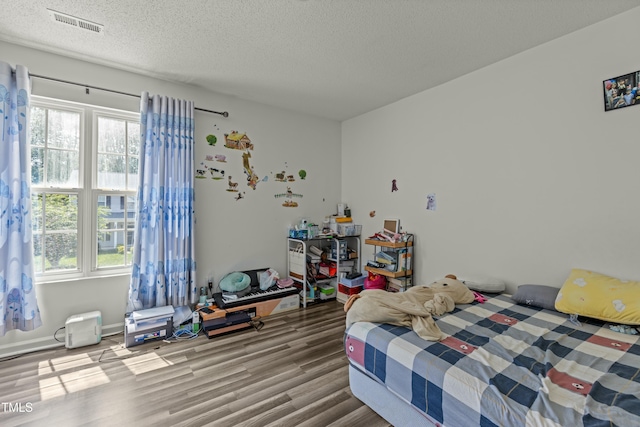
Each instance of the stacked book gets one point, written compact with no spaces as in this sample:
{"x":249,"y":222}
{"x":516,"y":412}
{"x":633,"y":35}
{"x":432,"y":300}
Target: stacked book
{"x":389,"y":259}
{"x":400,"y":284}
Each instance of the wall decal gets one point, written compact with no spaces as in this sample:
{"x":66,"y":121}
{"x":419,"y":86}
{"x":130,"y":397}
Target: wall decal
{"x":372,"y":214}
{"x":289,"y":195}
{"x":203,"y":167}
{"x":431,"y":202}
{"x":237,"y":141}
{"x":216,"y":174}
{"x":302,"y":173}
{"x":394,"y":187}
{"x":283,"y":177}
{"x":252,"y":178}
{"x":233,"y":186}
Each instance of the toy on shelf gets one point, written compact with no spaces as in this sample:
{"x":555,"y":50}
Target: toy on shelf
{"x":390,"y":236}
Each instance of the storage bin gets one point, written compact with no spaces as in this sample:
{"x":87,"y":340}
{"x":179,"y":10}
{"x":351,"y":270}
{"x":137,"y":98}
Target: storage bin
{"x":339,"y":249}
{"x":349,"y":229}
{"x":358,"y":281}
{"x":349,"y":290}
{"x":326,"y":291}
{"x":313,"y":230}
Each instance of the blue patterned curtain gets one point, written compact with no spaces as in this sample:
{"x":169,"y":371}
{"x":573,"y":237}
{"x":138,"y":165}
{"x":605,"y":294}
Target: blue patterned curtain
{"x":164,"y":268}
{"x":18,"y":305}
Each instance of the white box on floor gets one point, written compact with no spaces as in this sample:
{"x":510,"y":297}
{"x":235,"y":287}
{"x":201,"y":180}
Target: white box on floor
{"x":83,"y":329}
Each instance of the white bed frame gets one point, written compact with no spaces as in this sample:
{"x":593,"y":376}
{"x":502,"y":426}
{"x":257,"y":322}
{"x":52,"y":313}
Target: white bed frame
{"x":388,"y":405}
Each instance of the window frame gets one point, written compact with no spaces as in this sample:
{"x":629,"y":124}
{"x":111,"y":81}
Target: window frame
{"x":109,"y":193}
{"x":87,"y":190}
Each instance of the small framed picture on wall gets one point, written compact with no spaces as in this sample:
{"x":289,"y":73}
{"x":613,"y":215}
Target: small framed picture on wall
{"x":622,"y":91}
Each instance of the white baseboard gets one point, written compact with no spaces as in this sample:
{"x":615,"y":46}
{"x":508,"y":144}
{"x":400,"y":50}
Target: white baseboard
{"x":48,"y":343}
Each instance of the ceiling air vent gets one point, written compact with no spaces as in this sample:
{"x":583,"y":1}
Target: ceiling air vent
{"x":74,"y":21}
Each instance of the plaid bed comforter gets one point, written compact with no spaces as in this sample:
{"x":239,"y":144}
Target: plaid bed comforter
{"x":504,"y":364}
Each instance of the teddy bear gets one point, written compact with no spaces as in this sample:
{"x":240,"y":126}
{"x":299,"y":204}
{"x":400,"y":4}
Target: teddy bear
{"x":413,"y":308}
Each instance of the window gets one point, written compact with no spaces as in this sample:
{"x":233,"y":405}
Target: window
{"x":83,"y":158}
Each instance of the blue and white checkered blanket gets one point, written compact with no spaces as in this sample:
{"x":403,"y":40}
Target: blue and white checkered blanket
{"x":504,"y":364}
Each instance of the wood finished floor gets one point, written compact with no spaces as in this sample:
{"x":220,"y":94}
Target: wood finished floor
{"x":291,"y":373}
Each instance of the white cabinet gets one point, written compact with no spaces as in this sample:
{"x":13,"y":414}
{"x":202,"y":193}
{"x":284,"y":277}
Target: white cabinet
{"x":315,"y":263}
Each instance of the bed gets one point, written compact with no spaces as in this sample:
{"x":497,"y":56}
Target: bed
{"x":501,"y":364}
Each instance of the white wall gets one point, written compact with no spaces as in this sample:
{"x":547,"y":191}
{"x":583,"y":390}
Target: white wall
{"x":230,"y":234}
{"x":532,"y":177}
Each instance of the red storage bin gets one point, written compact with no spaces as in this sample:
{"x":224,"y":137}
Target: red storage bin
{"x":349,"y":290}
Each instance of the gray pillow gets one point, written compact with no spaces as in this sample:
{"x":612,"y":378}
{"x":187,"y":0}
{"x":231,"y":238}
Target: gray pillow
{"x":537,"y":296}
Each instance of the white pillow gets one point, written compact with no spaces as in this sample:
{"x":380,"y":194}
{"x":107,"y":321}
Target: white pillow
{"x":488,"y":285}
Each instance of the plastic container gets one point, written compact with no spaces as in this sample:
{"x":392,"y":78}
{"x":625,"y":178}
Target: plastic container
{"x":339,"y":249}
{"x":349,"y":229}
{"x":313,"y":230}
{"x":326,"y":291}
{"x":358,"y":281}
{"x":349,"y":290}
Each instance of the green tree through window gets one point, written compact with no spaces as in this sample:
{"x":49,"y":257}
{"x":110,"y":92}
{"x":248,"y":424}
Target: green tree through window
{"x":72,"y":181}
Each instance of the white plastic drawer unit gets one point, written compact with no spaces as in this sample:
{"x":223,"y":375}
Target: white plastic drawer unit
{"x":83,"y":329}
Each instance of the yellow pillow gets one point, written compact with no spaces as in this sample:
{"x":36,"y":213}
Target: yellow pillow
{"x":590,"y":294}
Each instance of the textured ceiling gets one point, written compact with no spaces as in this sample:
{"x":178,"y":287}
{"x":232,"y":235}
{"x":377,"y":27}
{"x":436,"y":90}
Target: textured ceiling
{"x":330,"y":58}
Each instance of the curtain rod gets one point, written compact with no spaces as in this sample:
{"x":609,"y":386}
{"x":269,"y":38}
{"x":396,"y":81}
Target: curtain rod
{"x":87,"y":87}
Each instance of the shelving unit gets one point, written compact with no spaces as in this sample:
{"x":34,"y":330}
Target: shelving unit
{"x":340,"y":256}
{"x":403,"y":253}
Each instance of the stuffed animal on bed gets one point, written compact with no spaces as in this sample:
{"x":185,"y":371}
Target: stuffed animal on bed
{"x":413,"y":308}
